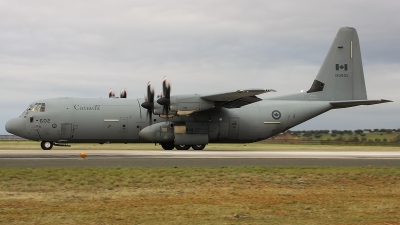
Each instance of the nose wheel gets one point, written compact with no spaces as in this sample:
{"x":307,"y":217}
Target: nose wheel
{"x":46,"y":145}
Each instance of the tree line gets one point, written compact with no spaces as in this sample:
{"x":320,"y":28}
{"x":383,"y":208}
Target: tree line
{"x":345,"y":135}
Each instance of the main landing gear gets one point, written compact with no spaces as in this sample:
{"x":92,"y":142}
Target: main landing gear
{"x":167,"y":146}
{"x":171,"y":146}
{"x":198,"y":147}
{"x":182,"y":147}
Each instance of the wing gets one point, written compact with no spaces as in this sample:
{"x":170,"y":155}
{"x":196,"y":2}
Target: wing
{"x":236,"y":99}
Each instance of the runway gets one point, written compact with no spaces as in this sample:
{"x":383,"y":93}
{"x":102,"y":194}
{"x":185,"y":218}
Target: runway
{"x":151,"y":158}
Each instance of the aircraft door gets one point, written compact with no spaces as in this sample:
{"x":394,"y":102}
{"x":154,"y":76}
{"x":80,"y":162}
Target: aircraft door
{"x":222,"y":134}
{"x":217,"y":131}
{"x":233,"y":128}
{"x":66,"y":131}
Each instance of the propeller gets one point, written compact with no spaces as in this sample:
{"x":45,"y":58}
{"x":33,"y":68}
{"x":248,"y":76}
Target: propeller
{"x":149,"y":101}
{"x":123,"y":93}
{"x":111,"y":93}
{"x":164,"y":99}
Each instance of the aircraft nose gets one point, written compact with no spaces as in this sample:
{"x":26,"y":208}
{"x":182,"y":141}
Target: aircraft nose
{"x":15,"y":126}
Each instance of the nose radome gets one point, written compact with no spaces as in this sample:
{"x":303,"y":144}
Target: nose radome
{"x":9,"y":126}
{"x":15,"y":126}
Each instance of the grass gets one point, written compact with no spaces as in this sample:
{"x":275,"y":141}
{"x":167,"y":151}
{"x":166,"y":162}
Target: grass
{"x":240,"y":195}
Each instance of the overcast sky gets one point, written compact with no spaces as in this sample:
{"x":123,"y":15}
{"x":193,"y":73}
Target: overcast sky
{"x":84,"y":48}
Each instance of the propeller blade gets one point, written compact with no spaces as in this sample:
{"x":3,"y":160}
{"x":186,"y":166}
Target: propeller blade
{"x":150,"y":92}
{"x":166,"y":88}
{"x":150,"y":115}
{"x":123,"y":93}
{"x":164,"y":100}
{"x":111,"y":93}
{"x":149,"y":101}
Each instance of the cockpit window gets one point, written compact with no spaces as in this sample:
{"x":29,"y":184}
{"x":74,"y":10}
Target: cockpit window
{"x":42,"y":107}
{"x":37,"y":107}
{"x":27,"y":110}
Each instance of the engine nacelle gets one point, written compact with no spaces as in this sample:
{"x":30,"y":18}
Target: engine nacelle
{"x":188,"y":104}
{"x":184,"y":105}
{"x":159,"y":132}
{"x":158,"y":110}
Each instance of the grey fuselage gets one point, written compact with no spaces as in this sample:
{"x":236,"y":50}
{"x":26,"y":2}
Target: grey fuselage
{"x":119,"y":120}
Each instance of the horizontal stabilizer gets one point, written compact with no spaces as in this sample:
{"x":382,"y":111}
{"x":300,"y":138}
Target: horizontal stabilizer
{"x":352,"y":103}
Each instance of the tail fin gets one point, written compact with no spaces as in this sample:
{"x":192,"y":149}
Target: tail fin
{"x":341,"y":76}
{"x":340,"y":79}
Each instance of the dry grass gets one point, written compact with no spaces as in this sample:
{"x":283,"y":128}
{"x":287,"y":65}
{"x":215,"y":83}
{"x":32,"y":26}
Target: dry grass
{"x":242,"y":195}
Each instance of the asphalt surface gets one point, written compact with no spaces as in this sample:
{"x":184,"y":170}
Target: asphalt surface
{"x":142,"y":158}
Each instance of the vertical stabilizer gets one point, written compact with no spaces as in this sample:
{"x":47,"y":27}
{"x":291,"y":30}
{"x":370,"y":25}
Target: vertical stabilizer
{"x":341,"y":75}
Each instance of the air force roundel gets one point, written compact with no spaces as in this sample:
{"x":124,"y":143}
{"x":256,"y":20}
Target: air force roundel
{"x":276,"y":114}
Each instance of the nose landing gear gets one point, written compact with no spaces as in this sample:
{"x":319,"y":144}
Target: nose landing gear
{"x":46,"y":145}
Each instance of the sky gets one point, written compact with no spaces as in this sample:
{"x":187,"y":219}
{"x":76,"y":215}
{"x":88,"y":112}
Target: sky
{"x":83,"y":48}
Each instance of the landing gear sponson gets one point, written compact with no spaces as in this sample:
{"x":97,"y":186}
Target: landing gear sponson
{"x":171,"y":146}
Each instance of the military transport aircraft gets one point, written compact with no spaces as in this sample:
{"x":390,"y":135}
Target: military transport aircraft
{"x":195,"y":120}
